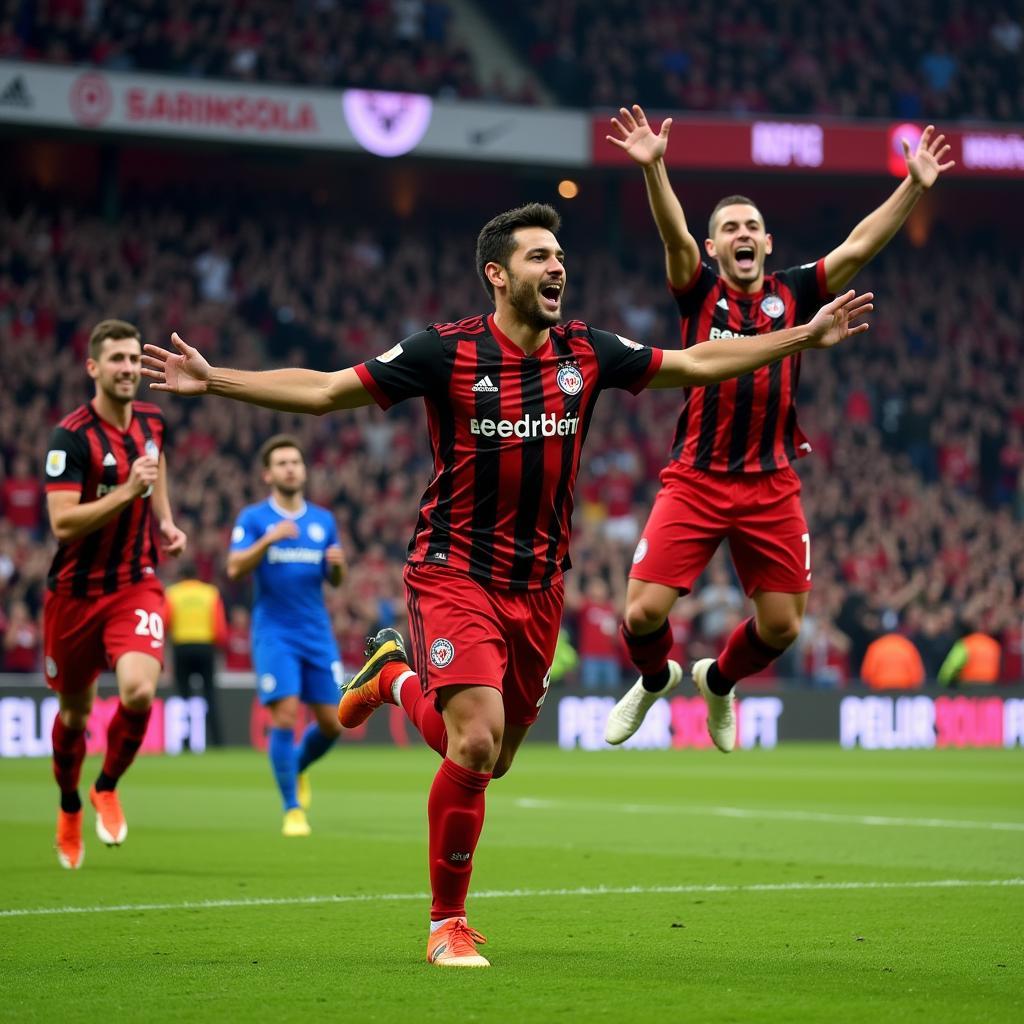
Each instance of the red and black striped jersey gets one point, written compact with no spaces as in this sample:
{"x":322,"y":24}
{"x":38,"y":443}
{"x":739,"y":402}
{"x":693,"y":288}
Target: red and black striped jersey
{"x":91,"y":456}
{"x":746,"y":425}
{"x":506,"y":432}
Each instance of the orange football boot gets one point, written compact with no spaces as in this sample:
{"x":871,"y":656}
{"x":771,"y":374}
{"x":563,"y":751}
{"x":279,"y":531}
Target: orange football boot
{"x":364,"y":693}
{"x":110,"y":824}
{"x":70,"y":851}
{"x":454,"y":945}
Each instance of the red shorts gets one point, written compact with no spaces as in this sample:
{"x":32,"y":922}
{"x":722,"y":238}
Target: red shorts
{"x":464,"y":633}
{"x":83,"y":636}
{"x":758,"y":513}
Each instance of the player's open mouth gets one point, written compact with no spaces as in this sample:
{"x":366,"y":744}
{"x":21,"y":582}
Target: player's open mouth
{"x":745,"y":257}
{"x":551,"y":295}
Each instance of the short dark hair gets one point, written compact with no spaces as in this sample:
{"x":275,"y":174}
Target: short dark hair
{"x":496,"y":241}
{"x":729,"y":201}
{"x":278,"y":441}
{"x":113,"y":329}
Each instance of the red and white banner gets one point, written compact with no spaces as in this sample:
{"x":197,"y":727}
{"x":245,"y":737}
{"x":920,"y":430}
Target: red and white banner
{"x":387,"y":124}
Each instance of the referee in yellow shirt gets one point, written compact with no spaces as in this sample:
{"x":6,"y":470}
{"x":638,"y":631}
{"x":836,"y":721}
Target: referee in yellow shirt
{"x":197,"y":626}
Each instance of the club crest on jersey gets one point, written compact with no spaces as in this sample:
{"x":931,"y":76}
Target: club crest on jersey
{"x":773,"y":306}
{"x":441,"y":653}
{"x":569,"y":379}
{"x":56,"y":462}
{"x":316,"y":533}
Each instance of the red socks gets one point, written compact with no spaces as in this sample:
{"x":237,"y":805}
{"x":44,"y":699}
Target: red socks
{"x":124,"y":737}
{"x":420,"y":708}
{"x":649,"y":653}
{"x":455,"y":811}
{"x":68,"y":754}
{"x":745,"y":653}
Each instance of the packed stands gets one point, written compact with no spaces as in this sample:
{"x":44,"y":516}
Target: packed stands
{"x":915,"y":492}
{"x":922,"y":59}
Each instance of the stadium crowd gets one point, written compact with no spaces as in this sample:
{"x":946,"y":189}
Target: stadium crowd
{"x":915,"y":491}
{"x":924,"y":59}
{"x":405,"y":45}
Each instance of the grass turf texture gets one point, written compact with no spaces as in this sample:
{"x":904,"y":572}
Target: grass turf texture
{"x":207,"y":829}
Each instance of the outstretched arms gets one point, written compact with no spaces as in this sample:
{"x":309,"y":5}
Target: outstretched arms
{"x":635,"y":136}
{"x":924,"y":166}
{"x":186,"y":372}
{"x":709,"y":363}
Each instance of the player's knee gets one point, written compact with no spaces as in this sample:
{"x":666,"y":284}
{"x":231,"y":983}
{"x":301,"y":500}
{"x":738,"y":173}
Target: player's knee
{"x":643,"y":616}
{"x":75,"y":719}
{"x":476,"y":748}
{"x":137,"y":694}
{"x":780,"y":631}
{"x":330,"y":726}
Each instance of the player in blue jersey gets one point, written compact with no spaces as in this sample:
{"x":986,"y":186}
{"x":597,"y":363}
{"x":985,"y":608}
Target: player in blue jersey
{"x":291,"y":547}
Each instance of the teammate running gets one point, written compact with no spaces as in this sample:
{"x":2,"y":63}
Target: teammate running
{"x":292,"y":547}
{"x":509,"y":396}
{"x":730,"y":475}
{"x":106,"y":483}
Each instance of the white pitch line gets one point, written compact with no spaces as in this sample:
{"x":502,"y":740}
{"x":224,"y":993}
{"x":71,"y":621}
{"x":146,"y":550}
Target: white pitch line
{"x":499,"y":894}
{"x":778,"y":815}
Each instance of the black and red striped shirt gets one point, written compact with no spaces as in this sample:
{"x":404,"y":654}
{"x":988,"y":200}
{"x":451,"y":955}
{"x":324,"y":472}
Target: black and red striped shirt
{"x":746,"y":425}
{"x":506,"y":432}
{"x":91,"y":456}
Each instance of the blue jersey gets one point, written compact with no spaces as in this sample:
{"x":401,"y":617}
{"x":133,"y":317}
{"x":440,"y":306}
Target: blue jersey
{"x":288,"y":600}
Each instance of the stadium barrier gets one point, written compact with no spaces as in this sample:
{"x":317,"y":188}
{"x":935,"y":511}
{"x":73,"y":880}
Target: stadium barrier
{"x":981,"y":717}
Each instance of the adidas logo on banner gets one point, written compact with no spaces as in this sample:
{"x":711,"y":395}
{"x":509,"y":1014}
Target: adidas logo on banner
{"x":484,"y":384}
{"x":15,"y":94}
{"x":722,"y":304}
{"x":109,"y":460}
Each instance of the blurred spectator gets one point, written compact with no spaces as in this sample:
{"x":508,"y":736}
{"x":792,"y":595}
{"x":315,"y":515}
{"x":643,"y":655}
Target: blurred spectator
{"x":597,"y":635}
{"x":21,"y":640}
{"x":21,"y":497}
{"x":238,"y":645}
{"x":974,"y":658}
{"x":892,"y":662}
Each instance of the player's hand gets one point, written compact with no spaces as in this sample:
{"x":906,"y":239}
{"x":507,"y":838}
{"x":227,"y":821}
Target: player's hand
{"x":925,"y":164}
{"x":174,"y":540}
{"x":283,"y":529}
{"x":837,"y":320}
{"x":335,"y":556}
{"x":636,"y":137}
{"x":183,"y":372}
{"x":143,"y":474}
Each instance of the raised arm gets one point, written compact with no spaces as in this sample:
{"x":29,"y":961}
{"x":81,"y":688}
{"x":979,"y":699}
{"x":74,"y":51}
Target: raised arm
{"x":871,"y":235}
{"x":712,"y":362}
{"x":186,"y":372}
{"x":636,"y":137}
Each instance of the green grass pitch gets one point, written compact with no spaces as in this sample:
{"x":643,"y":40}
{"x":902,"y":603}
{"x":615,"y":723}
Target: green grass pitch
{"x":802,"y":884}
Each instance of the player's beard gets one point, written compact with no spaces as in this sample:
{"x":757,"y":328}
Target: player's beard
{"x":120,"y":397}
{"x":523,"y":298}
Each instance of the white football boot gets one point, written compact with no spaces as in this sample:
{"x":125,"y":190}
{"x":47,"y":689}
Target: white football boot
{"x":629,"y":713}
{"x":721,"y":710}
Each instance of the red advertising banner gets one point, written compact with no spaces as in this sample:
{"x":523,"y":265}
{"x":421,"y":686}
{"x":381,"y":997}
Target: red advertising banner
{"x":826,"y":147}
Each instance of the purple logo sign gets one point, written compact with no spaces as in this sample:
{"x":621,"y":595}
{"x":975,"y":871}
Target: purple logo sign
{"x":387,"y":123}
